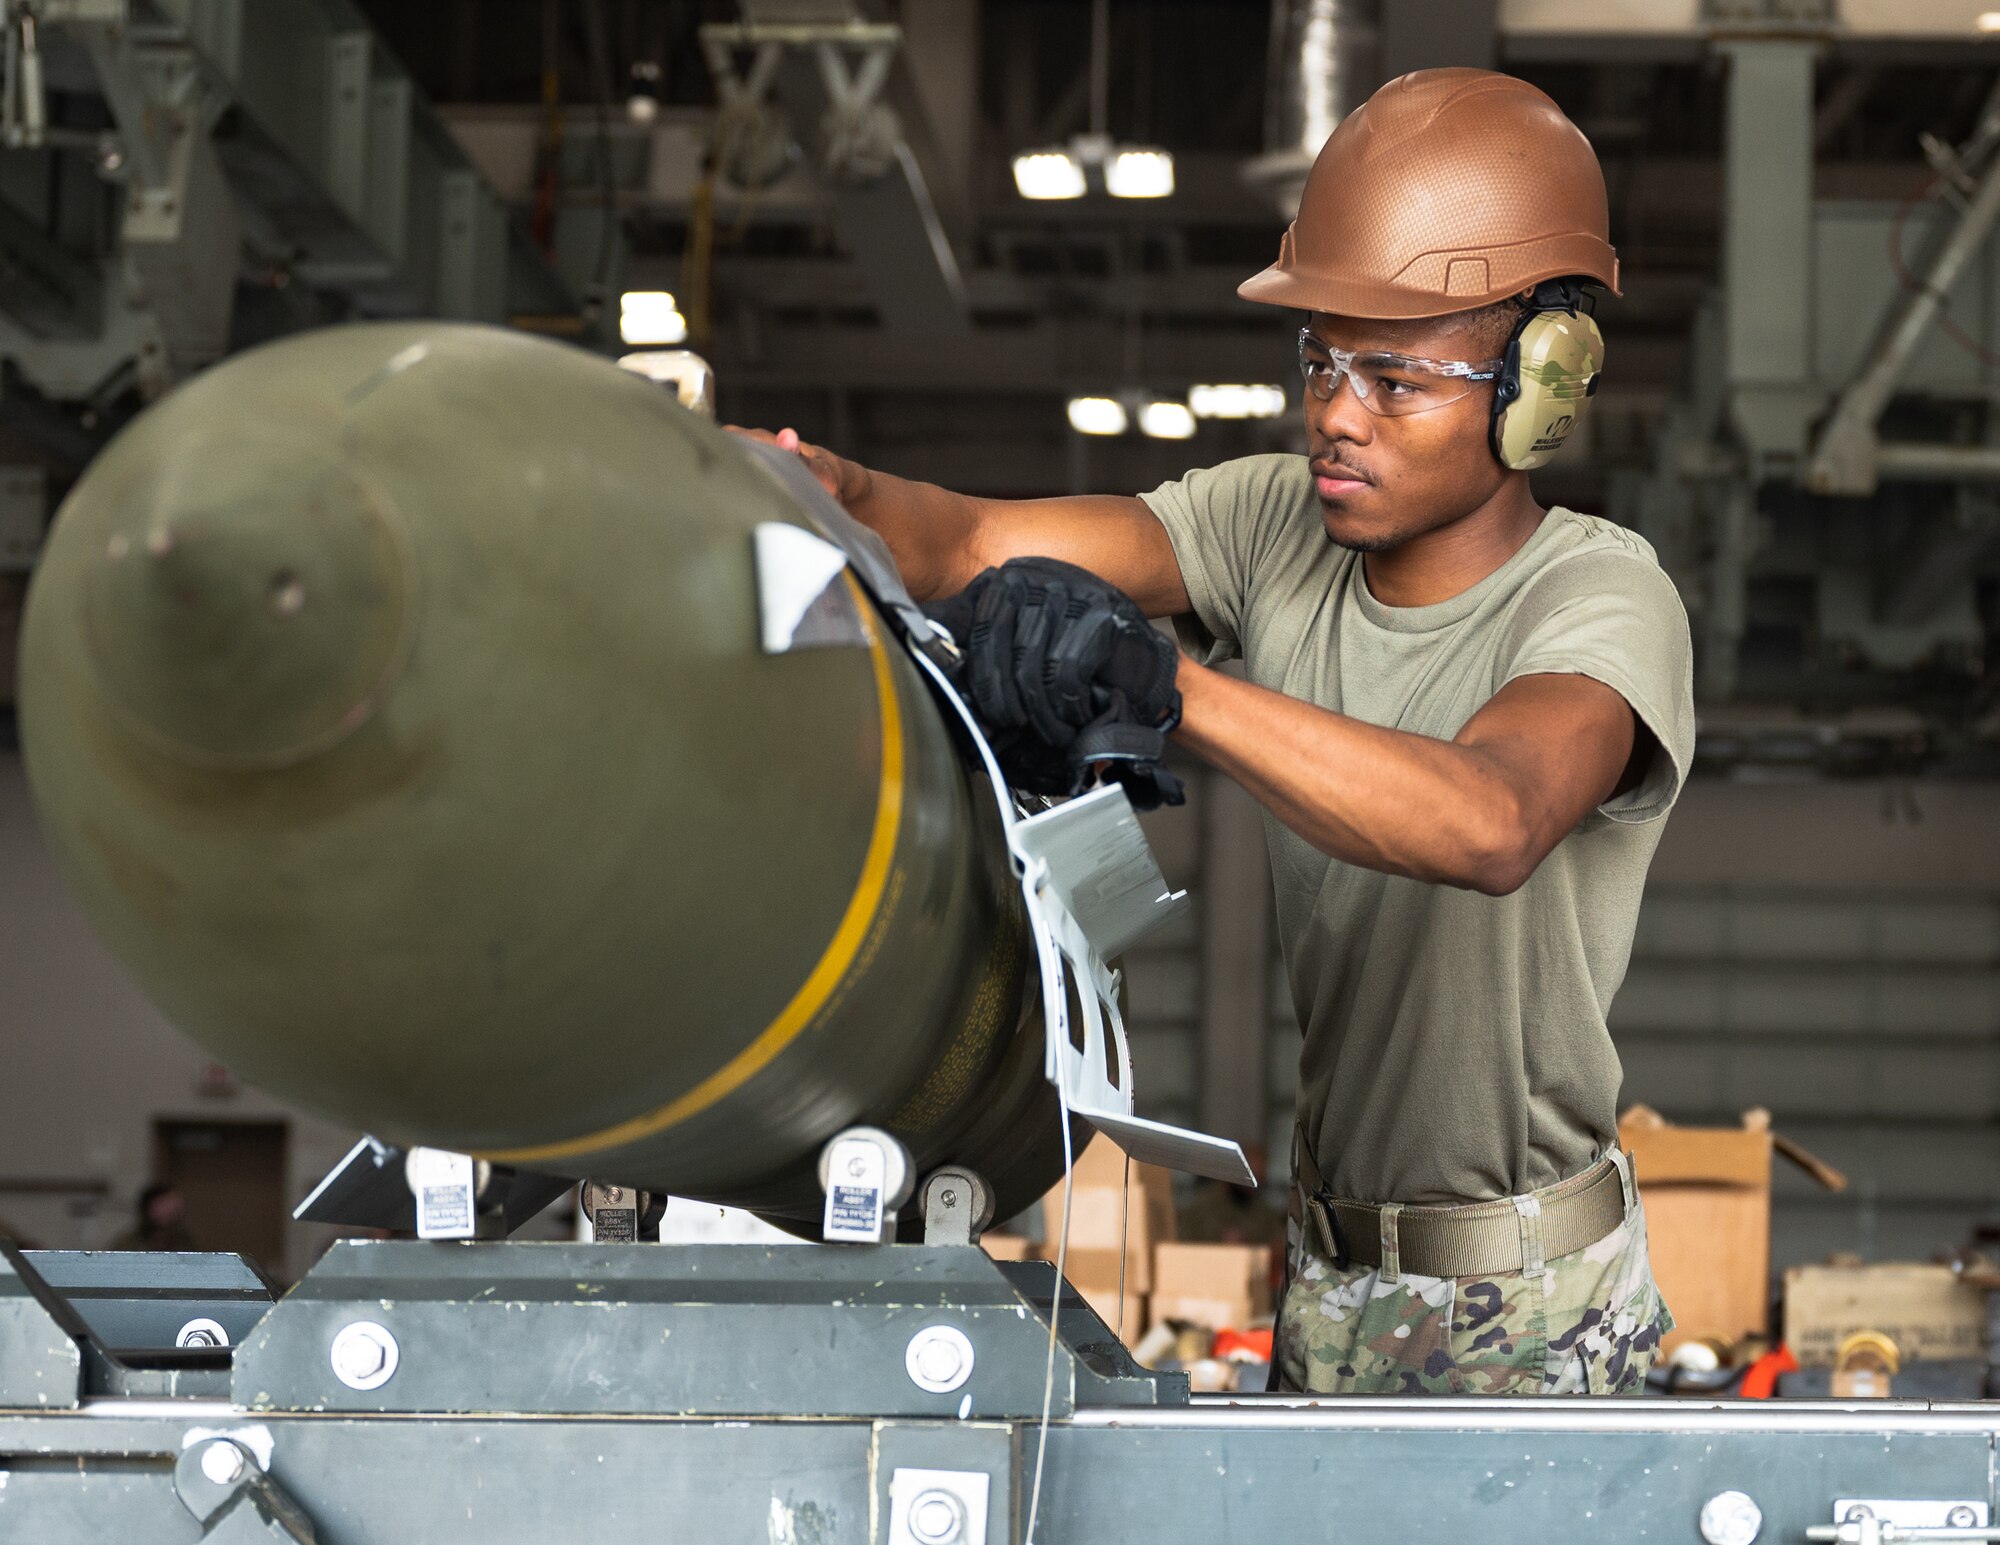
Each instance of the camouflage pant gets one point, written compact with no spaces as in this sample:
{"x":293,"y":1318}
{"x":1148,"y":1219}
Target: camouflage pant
{"x":1589,"y":1322}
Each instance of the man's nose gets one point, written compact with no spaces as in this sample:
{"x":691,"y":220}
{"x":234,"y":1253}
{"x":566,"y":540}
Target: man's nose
{"x":1342,"y":416}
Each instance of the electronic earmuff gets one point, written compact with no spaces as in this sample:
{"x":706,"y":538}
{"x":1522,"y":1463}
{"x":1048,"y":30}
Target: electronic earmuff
{"x":1552,"y":364}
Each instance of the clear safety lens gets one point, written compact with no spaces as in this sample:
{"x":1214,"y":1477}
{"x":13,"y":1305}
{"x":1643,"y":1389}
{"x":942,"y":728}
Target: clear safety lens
{"x":1392,"y":385}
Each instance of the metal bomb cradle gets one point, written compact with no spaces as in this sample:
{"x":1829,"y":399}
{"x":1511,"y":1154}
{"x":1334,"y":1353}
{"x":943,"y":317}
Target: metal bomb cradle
{"x":476,"y":1389}
{"x":516,"y":1394}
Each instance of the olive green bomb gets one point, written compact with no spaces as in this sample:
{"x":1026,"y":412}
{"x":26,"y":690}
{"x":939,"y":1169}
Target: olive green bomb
{"x":394,"y":697}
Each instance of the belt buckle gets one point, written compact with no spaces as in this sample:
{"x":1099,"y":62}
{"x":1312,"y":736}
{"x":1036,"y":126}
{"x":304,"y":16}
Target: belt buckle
{"x":1330,"y":1232}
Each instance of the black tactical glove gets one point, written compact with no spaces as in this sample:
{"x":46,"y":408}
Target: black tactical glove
{"x":1069,"y":680}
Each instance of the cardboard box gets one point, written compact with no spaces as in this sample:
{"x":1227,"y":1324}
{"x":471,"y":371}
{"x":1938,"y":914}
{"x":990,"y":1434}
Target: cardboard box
{"x":1225,"y":1287}
{"x":1096,"y":1270}
{"x":1101,"y":1211}
{"x":1926,"y":1310}
{"x":1707,"y":1195}
{"x":1104,"y":1304}
{"x":1094,"y":1276}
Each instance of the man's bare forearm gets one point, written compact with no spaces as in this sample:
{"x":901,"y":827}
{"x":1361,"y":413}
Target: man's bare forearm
{"x":941,"y":540}
{"x":933,"y":533}
{"x":1480,"y":812}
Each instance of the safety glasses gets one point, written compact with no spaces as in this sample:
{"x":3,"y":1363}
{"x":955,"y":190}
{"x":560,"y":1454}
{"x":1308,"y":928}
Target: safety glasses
{"x":1388,"y":384}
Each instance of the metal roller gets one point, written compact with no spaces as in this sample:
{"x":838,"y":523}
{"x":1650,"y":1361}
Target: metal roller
{"x":399,"y":700}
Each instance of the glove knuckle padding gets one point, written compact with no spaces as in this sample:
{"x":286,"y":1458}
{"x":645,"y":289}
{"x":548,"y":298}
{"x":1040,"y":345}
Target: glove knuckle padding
{"x":1070,"y":679}
{"x":990,"y":652}
{"x":1033,"y":631}
{"x":1076,"y":660}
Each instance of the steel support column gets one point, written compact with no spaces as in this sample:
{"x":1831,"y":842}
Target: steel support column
{"x":1767,"y":240}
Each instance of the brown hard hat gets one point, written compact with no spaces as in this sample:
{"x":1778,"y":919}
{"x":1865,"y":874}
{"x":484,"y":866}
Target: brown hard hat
{"x":1446,"y":190}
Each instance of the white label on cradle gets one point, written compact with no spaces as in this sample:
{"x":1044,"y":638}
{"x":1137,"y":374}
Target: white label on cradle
{"x":854,"y":1193}
{"x":442,"y":1183}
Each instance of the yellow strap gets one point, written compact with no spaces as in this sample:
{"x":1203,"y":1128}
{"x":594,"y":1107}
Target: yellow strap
{"x":833,"y":964}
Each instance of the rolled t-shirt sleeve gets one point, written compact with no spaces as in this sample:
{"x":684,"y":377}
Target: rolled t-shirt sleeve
{"x":1616,"y":618}
{"x":1218,"y":519}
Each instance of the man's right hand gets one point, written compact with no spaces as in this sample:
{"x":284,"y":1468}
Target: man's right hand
{"x":1069,"y":680}
{"x":846,"y":480}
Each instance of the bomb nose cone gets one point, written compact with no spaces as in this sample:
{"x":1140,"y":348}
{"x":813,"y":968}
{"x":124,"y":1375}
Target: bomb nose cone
{"x":394,"y":698}
{"x":249,"y":610}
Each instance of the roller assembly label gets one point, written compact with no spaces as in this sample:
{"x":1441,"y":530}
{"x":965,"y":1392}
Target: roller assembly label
{"x":855,"y":1209}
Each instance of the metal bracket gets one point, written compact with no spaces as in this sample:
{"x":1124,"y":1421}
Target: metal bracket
{"x":1089,"y":881}
{"x":863,"y":135}
{"x":226,"y":1487}
{"x":741,"y":89}
{"x":41,"y":1341}
{"x":369,"y":1188}
{"x":1092,"y":853}
{"x":175,"y":283}
{"x":682,"y":371}
{"x":141,"y":1301}
{"x":1880,"y":1521}
{"x":958,"y":1206}
{"x":619,"y":1214}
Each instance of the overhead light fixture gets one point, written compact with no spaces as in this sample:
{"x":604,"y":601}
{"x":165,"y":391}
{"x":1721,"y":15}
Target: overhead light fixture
{"x":1093,"y":158}
{"x":1166,"y":421}
{"x":1048,"y":174}
{"x":650,"y":317}
{"x":1139,"y":172}
{"x":1988,"y":21}
{"x":1237,"y":401}
{"x":1097,"y":416}
{"x":643,"y":105}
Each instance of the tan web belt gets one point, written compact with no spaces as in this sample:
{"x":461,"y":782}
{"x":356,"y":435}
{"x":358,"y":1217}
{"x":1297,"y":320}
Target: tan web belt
{"x":1514,"y":1233}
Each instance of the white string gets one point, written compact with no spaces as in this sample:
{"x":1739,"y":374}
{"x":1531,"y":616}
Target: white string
{"x":1055,"y":1315}
{"x":1124,"y":1227}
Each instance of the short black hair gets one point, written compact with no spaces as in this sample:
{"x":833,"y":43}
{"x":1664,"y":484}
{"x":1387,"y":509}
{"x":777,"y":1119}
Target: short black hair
{"x":1492,"y":325}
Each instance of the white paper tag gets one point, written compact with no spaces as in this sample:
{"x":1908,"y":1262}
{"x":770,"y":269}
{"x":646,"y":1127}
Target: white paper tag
{"x":794,"y":570}
{"x":442,"y":1184}
{"x":854,"y":1184}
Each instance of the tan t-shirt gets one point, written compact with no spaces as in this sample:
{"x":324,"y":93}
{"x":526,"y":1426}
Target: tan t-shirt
{"x":1455,"y":1043}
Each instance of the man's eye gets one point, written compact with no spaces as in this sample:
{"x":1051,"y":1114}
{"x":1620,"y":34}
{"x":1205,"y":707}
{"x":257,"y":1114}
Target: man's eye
{"x":1397,"y":387}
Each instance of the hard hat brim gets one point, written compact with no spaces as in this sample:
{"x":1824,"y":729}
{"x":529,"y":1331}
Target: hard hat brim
{"x":1507,"y":274}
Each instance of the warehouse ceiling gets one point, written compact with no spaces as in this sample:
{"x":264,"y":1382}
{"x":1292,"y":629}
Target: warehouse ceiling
{"x":1110,"y":294}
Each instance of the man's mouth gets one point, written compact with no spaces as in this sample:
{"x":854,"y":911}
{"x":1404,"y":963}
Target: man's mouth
{"x":1334,"y":481}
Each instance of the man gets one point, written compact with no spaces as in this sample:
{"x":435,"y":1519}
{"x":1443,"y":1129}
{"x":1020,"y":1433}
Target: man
{"x":159,"y":1221}
{"x":1466,"y":718}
